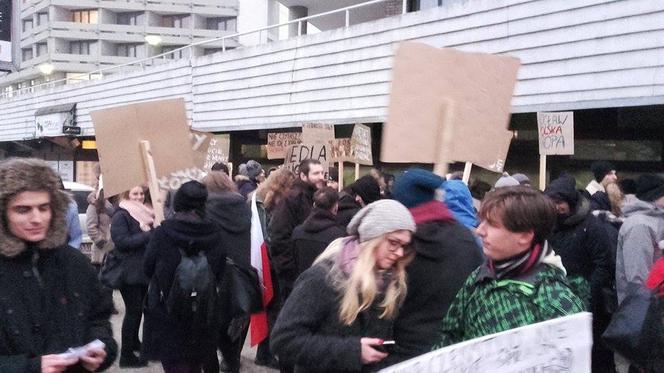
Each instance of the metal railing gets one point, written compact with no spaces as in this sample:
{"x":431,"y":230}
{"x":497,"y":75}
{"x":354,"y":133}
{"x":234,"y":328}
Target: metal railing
{"x":147,"y":61}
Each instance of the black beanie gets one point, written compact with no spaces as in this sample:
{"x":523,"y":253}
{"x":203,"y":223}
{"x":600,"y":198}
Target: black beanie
{"x":191,"y":196}
{"x":563,"y":189}
{"x":649,"y":187}
{"x":601,"y":169}
{"x":367,"y":188}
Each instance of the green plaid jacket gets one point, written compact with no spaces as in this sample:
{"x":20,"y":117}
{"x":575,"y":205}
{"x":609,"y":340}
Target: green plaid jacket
{"x":485,"y":305}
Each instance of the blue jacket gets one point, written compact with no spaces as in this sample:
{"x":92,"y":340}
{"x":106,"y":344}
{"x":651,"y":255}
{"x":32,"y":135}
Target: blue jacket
{"x":460,"y":202}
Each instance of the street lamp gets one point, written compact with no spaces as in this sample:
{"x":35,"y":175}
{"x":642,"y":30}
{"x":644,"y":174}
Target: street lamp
{"x":46,"y":68}
{"x":153,"y":40}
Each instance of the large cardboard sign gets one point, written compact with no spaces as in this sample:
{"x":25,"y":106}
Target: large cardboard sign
{"x":433,"y":88}
{"x":209,"y":148}
{"x":317,"y":141}
{"x":119,"y":131}
{"x":556,"y":132}
{"x":361,"y":145}
{"x":558,"y":345}
{"x":279,"y":143}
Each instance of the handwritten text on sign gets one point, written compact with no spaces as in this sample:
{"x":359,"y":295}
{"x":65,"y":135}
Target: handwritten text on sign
{"x":558,"y":345}
{"x":556,"y":133}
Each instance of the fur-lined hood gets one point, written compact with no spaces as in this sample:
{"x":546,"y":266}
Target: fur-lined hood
{"x":28,"y":174}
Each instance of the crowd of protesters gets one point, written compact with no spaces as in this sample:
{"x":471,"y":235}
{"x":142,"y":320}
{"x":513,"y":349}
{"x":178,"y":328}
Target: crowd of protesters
{"x":419,"y":259}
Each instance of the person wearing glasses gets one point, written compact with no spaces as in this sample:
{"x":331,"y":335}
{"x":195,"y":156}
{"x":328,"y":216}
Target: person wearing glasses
{"x":342,"y":308}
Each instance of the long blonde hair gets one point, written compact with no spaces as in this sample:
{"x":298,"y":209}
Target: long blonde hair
{"x":359,"y":289}
{"x":275,"y":188}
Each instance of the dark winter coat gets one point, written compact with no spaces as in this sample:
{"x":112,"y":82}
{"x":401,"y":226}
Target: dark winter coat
{"x":287,"y":215}
{"x":584,"y":247}
{"x":232,"y":214}
{"x":245,"y":186}
{"x":308,"y":332}
{"x":348,"y":207}
{"x":163,"y":338}
{"x":312,"y":237}
{"x":130,"y":242}
{"x":50,"y":297}
{"x":447,"y":253}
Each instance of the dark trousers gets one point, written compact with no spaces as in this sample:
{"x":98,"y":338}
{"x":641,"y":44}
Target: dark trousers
{"x":181,"y":367}
{"x":132,"y":295}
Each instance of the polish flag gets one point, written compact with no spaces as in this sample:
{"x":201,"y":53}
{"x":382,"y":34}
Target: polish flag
{"x":259,"y":260}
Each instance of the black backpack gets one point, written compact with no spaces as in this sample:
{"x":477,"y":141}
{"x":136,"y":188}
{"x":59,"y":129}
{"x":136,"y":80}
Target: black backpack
{"x":194,"y":296}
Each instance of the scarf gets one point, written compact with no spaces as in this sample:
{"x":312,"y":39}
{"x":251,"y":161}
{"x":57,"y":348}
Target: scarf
{"x":140,"y":212}
{"x":520,"y":263}
{"x":431,"y":211}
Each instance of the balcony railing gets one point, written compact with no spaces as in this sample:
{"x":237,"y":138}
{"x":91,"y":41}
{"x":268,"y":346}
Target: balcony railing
{"x":226,"y":41}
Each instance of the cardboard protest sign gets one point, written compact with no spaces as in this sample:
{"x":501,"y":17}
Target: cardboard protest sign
{"x":278,"y":143}
{"x":209,"y":148}
{"x":469,"y":92}
{"x":559,"y":345}
{"x":361,"y":145}
{"x":119,"y":131}
{"x":556,"y":132}
{"x":317,"y":141}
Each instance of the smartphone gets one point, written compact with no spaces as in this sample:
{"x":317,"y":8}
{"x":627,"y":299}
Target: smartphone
{"x":387,"y":346}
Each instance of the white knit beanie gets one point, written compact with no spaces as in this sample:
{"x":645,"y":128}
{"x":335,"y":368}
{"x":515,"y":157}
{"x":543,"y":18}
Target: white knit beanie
{"x":380,"y":217}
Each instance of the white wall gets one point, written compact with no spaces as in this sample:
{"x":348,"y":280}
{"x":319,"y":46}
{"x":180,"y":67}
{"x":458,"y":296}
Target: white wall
{"x":576,"y":55}
{"x":5,"y":51}
{"x":252,"y":14}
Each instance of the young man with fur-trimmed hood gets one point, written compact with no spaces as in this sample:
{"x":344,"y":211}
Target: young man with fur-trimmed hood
{"x":50,"y":297}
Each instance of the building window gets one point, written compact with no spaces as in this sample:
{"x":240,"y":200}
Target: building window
{"x":175,"y":55}
{"x":208,"y":51}
{"x":125,"y":50}
{"x":79,"y":47}
{"x":42,"y":19}
{"x":27,"y":54}
{"x":27,"y":25}
{"x":128,"y":18}
{"x":175,"y":21}
{"x":221,"y":23}
{"x":42,"y":48}
{"x":85,"y":16}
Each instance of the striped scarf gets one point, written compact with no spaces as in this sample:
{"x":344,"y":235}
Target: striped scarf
{"x":520,"y":263}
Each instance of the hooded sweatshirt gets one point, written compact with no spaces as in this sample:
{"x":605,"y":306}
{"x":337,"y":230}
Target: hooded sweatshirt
{"x":460,"y":202}
{"x":230,"y":211}
{"x":638,"y":244}
{"x":446,"y":253}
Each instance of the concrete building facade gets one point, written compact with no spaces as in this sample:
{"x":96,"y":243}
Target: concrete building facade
{"x":80,"y":36}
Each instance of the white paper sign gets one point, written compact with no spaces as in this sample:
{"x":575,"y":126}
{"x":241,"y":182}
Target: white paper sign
{"x":558,"y":345}
{"x":556,"y":132}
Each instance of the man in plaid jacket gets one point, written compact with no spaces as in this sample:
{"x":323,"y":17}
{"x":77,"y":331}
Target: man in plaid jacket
{"x":522,"y":282}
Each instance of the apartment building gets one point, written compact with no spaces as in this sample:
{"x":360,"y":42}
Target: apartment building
{"x":57,"y":39}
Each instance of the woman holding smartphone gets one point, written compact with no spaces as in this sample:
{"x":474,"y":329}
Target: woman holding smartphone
{"x":342,"y":308}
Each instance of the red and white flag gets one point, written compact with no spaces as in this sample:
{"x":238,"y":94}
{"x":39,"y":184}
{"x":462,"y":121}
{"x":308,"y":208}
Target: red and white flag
{"x":259,"y":260}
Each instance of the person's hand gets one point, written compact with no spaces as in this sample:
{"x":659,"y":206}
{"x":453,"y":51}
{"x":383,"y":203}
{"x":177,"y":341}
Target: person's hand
{"x":369,"y":353}
{"x":56,"y":363}
{"x":93,"y":358}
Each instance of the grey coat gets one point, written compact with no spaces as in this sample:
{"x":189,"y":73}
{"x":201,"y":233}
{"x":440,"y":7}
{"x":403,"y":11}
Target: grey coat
{"x":640,"y":244}
{"x":308,"y":332}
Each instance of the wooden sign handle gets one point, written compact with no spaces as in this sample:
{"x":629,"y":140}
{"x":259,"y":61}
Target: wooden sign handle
{"x":466,"y":172}
{"x":444,"y":140}
{"x":357,"y":171}
{"x":542,"y":172}
{"x":341,"y":176}
{"x":153,"y":185}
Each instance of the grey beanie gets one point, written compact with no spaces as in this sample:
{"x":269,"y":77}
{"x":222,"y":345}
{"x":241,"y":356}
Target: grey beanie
{"x":506,"y":181}
{"x":380,"y":217}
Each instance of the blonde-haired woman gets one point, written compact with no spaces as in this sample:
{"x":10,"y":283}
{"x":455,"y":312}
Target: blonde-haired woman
{"x":342,"y":308}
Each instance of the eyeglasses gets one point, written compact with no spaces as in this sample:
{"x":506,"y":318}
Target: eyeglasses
{"x":395,"y":244}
